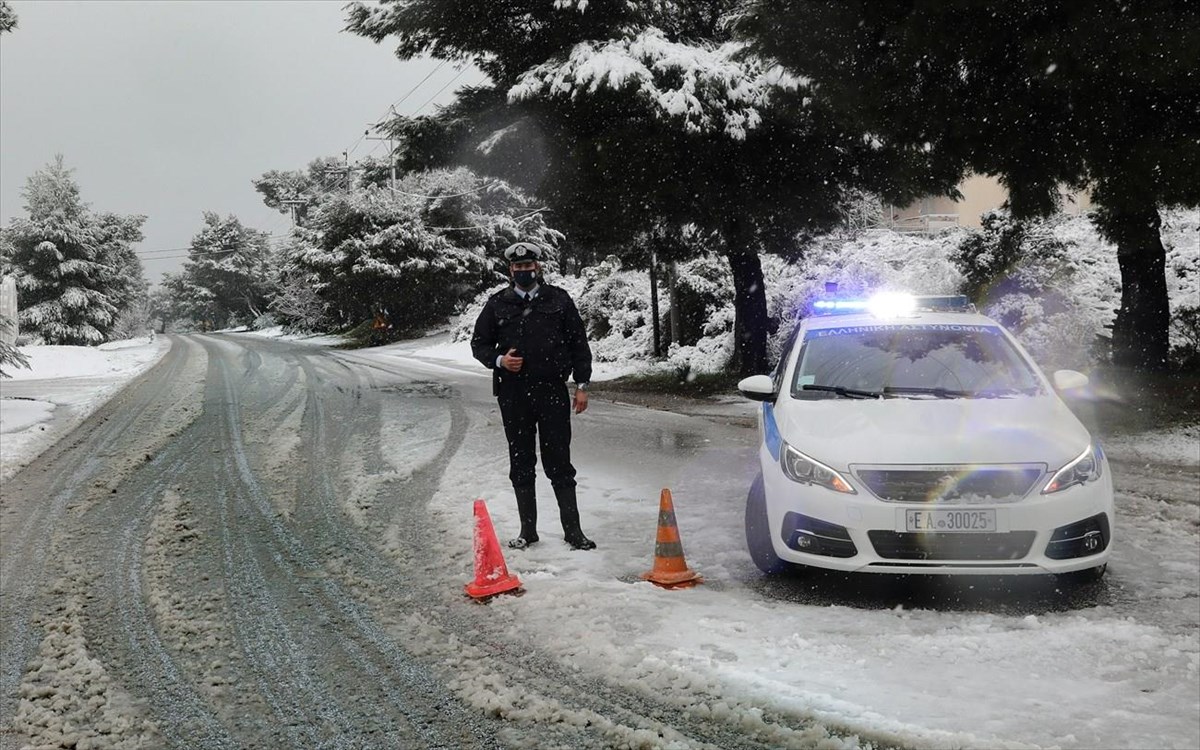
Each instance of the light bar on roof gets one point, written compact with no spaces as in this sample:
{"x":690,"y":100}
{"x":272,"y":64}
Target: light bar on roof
{"x":894,"y":304}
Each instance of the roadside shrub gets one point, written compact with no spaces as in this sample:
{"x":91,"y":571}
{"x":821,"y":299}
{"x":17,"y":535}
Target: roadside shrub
{"x":1185,"y":329}
{"x":615,"y":307}
{"x":703,"y":289}
{"x":1044,"y":280}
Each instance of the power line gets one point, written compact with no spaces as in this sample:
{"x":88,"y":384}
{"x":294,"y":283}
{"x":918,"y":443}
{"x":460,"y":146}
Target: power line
{"x":272,"y":239}
{"x":410,"y":91}
{"x":394,"y":104}
{"x":443,"y":88}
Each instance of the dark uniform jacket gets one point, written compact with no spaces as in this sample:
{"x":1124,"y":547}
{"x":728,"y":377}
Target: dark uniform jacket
{"x":547,"y":332}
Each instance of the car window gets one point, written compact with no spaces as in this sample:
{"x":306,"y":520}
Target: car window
{"x":967,"y":360}
{"x":784,"y":355}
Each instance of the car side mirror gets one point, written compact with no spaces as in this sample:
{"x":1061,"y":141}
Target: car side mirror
{"x":757,"y":387}
{"x":1069,"y":380}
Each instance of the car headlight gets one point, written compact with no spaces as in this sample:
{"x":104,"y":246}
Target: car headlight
{"x":1085,"y":468}
{"x":801,"y":468}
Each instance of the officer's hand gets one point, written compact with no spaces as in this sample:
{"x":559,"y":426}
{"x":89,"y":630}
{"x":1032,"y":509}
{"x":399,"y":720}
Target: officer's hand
{"x":512,"y":362}
{"x":580,"y":401}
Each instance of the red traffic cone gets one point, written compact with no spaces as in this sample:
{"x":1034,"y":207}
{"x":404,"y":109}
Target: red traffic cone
{"x":491,"y":574}
{"x":670,"y":569}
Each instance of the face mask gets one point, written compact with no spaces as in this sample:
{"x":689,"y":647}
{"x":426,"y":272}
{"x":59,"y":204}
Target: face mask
{"x":524,"y":279}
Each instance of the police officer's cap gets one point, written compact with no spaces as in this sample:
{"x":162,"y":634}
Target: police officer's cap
{"x":522,"y":251}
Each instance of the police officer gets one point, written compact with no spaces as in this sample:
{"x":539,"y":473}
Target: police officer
{"x":532,"y":338}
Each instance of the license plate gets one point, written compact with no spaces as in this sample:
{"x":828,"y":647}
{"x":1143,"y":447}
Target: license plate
{"x":950,"y":520}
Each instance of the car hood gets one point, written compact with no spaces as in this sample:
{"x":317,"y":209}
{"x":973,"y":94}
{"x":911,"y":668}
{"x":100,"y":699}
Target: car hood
{"x":841,"y":432}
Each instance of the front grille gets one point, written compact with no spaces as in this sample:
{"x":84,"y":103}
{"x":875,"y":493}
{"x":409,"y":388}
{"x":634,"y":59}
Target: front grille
{"x":951,"y":484}
{"x":900,"y":545}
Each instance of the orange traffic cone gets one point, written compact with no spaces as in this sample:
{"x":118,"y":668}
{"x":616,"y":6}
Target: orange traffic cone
{"x":491,"y":574}
{"x":670,"y":569}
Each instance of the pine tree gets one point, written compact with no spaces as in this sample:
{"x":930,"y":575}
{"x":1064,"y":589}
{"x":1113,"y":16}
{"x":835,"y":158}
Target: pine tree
{"x":59,"y":262}
{"x":10,"y":356}
{"x":8,"y":18}
{"x":411,"y":256}
{"x":227,"y":279}
{"x":1095,"y":96}
{"x":629,"y":116}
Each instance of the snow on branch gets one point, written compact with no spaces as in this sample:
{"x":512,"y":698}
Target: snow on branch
{"x":707,"y":87}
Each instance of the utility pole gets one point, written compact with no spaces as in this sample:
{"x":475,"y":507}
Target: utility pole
{"x":346,"y":170}
{"x":391,"y":152}
{"x":293,"y":204}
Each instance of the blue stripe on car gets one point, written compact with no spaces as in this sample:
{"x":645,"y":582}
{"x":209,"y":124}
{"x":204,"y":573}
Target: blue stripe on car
{"x":771,"y":431}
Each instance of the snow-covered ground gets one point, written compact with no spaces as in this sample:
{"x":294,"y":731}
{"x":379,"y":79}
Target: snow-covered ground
{"x":61,"y":388}
{"x":439,"y":347}
{"x":959,"y":668}
{"x":942,"y":663}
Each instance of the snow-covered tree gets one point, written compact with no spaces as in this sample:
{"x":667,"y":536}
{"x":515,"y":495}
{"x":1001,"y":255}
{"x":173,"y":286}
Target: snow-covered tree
{"x":228,"y":277}
{"x":8,"y":18}
{"x":124,"y":276}
{"x":76,"y":270}
{"x":1098,"y":96}
{"x":414,"y":255}
{"x":10,"y":356}
{"x":627,"y":116}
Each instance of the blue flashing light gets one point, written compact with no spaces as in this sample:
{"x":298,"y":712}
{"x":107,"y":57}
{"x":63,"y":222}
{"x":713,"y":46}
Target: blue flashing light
{"x":840,"y":305}
{"x":894,"y":305}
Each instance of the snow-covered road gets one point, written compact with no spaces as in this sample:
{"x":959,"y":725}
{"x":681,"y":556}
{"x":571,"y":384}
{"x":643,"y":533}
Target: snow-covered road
{"x":264,"y":544}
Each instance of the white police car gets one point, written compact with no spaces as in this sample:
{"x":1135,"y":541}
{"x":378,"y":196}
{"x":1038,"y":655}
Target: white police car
{"x":913,"y":435}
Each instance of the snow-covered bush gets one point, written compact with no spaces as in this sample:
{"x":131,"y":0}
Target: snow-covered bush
{"x":296,"y":304}
{"x":1030,"y":275}
{"x":702,"y":291}
{"x":132,"y":322}
{"x":876,"y":260}
{"x":1181,"y":239}
{"x":615,"y":307}
{"x":413,"y":256}
{"x":1056,"y":285}
{"x":1185,"y":328}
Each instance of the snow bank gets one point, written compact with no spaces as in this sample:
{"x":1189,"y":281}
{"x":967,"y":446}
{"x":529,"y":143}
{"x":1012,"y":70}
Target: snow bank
{"x":21,"y":414}
{"x":64,"y":385}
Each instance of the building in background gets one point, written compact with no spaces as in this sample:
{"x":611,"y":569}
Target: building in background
{"x":979,"y":194}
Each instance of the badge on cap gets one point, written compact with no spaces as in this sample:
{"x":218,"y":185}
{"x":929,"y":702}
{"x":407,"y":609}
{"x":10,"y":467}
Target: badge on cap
{"x":519,"y":251}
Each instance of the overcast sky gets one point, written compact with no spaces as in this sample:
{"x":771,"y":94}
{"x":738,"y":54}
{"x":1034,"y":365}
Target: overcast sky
{"x":170,"y":108}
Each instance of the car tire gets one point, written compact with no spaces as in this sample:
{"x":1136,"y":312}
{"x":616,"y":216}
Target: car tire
{"x":1083,"y":577}
{"x":758,"y":532}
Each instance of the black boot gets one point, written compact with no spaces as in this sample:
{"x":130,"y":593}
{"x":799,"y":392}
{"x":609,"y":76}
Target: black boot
{"x":568,"y":510}
{"x":527,"y":510}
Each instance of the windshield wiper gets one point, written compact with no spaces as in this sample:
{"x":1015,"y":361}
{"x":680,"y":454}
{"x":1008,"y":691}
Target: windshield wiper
{"x":1005,"y":392}
{"x":843,"y":392}
{"x":939,"y":392}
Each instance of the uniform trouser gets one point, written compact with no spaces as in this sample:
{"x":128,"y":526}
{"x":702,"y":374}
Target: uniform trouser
{"x":538,"y":412}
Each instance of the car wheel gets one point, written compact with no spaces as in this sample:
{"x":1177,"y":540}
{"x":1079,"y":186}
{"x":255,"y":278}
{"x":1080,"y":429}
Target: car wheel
{"x":758,"y":532}
{"x":1083,"y":577}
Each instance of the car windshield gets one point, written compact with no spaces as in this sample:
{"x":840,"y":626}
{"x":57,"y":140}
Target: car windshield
{"x":912,"y":361}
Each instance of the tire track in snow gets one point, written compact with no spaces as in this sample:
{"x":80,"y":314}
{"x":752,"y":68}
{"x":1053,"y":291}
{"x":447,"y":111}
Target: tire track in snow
{"x":293,"y":581}
{"x":132,"y":422}
{"x":583,"y":703}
